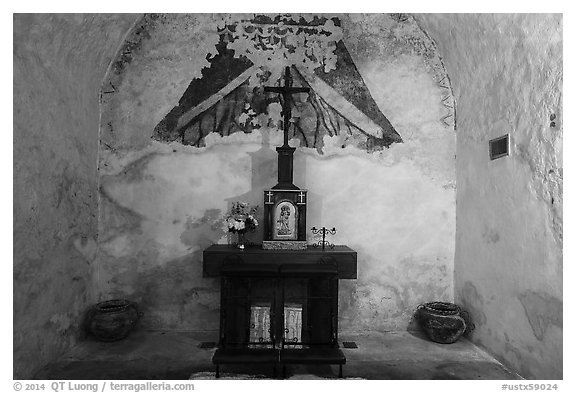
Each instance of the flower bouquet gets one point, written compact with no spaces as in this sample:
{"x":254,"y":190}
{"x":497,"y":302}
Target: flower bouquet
{"x":242,"y":219}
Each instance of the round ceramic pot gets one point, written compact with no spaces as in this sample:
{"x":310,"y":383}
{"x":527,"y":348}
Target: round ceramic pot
{"x":113,"y":320}
{"x":442,"y":322}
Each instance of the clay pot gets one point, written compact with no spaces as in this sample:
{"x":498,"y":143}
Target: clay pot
{"x":113,"y":320}
{"x":442,"y":322}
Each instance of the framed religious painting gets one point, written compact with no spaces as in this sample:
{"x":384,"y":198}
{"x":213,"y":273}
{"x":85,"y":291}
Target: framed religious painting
{"x":285,"y":219}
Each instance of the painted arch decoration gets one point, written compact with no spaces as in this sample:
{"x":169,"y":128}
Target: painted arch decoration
{"x":251,"y":54}
{"x":180,"y":77}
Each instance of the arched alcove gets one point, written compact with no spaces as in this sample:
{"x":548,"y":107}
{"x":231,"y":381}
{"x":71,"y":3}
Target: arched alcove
{"x":186,"y":131}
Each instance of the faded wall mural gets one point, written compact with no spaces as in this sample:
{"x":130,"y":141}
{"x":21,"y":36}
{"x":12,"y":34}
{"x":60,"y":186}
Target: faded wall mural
{"x":251,"y":54}
{"x":186,"y":130}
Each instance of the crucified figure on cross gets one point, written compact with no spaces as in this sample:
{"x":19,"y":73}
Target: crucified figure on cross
{"x":286,"y":91}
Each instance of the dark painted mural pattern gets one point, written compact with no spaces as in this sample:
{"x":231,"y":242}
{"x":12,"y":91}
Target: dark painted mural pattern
{"x":229,"y":96}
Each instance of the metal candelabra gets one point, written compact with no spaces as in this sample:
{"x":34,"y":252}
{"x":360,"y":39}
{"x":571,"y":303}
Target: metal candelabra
{"x":323,"y":242}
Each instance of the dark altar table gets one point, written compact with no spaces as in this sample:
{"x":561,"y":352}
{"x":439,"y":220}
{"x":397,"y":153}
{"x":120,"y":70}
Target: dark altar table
{"x":279,"y":306}
{"x":217,"y":255}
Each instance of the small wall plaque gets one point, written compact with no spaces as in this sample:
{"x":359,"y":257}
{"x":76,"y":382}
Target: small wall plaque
{"x":499,"y":147}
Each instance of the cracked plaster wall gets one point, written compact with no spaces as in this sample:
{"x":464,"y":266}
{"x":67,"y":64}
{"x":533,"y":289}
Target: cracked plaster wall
{"x":59,"y":65}
{"x":507,"y":78}
{"x":162,"y":204}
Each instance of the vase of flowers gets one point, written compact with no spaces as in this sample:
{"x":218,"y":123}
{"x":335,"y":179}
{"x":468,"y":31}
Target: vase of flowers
{"x":242,"y":219}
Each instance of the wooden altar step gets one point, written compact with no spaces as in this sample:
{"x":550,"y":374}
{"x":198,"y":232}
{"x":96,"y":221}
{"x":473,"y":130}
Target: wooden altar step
{"x":245,"y":356}
{"x":312,"y":356}
{"x":268,"y":270}
{"x":275,"y":357}
{"x":220,"y":258}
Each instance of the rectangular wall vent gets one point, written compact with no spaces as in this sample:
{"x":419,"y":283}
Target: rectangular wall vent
{"x":499,"y":147}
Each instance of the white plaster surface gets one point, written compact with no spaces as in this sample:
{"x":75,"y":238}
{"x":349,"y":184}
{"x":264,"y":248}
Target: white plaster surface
{"x":59,"y":64}
{"x":507,"y":77}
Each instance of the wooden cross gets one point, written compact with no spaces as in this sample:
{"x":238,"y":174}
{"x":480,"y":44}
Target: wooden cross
{"x":287,"y":90}
{"x":301,"y":196}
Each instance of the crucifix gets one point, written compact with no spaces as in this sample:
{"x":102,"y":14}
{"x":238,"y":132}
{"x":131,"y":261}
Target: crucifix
{"x":285,"y":204}
{"x":285,"y":152}
{"x":286,"y":91}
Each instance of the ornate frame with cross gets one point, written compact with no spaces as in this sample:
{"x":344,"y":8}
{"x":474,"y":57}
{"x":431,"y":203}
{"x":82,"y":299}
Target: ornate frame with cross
{"x":285,"y":203}
{"x":285,"y":219}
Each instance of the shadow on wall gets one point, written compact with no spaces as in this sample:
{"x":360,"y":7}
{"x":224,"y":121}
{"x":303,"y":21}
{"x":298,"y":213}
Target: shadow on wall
{"x":172,"y":293}
{"x":184,"y":192}
{"x":264,"y":166}
{"x":195,"y":304}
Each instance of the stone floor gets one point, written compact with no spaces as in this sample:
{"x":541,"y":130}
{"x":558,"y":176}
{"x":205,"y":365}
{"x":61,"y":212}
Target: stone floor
{"x":177,"y":355}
